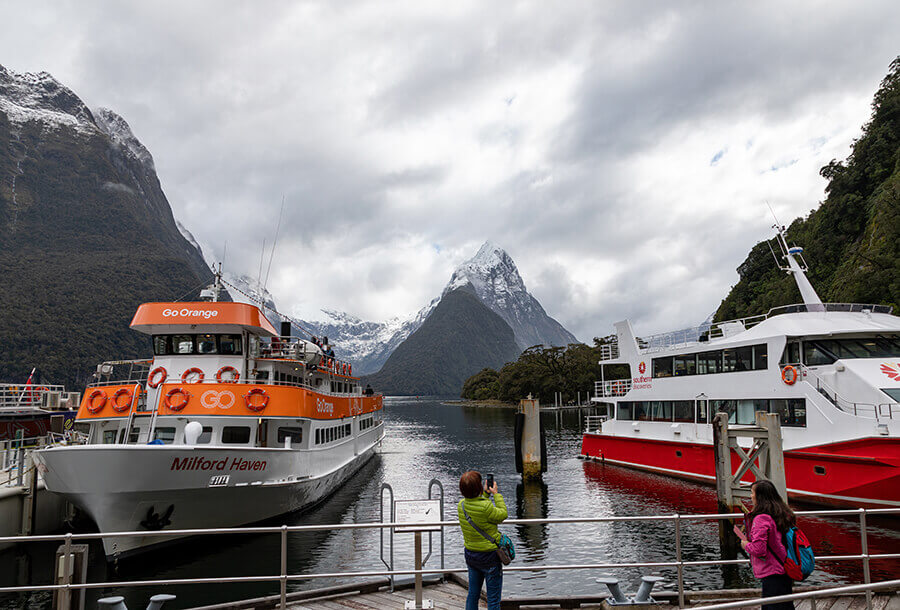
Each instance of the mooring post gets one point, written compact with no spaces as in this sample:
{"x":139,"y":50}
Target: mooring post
{"x":529,"y":439}
{"x":727,"y":540}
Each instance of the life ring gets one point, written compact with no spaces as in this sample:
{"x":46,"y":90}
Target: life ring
{"x":116,"y":405}
{"x":177,"y":406}
{"x":151,"y":379}
{"x":187,"y":373}
{"x":349,"y":369}
{"x":248,"y":399}
{"x":228,"y":369}
{"x":331,"y":364}
{"x":793,"y":375}
{"x":92,"y":405}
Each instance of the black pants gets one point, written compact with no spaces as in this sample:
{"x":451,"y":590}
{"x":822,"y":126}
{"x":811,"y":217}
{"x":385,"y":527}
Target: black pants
{"x":777,"y":584}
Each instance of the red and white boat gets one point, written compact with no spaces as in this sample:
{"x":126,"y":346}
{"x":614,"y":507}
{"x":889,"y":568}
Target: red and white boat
{"x":832,"y":371}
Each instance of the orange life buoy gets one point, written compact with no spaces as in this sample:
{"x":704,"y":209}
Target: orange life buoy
{"x":189,"y":372}
{"x":177,"y":406}
{"x":116,"y":405}
{"x":152,"y":382}
{"x":92,"y":405}
{"x":349,"y":369}
{"x":793,"y":375}
{"x":228,"y":369}
{"x":264,"y":399}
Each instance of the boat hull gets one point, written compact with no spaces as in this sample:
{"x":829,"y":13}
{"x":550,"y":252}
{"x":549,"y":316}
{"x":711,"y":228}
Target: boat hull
{"x":165,"y":487}
{"x":859,"y":473}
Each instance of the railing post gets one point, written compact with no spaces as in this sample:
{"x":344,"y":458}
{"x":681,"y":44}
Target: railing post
{"x":864,"y":542}
{"x":678,"y":559}
{"x":65,"y":595}
{"x":283,"y":583}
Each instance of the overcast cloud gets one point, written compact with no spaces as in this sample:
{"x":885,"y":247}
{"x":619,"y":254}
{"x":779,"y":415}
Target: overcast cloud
{"x":622,"y":153}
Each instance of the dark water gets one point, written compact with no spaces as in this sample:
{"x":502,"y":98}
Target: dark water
{"x":426,"y":440}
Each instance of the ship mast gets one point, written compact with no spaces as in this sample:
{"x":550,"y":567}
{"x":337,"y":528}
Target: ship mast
{"x":798,"y":267}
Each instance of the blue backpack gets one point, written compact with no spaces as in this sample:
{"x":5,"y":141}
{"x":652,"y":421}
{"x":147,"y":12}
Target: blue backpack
{"x":800,"y":561}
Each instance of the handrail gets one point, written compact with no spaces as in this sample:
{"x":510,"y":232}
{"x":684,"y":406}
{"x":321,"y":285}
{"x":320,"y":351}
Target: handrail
{"x":611,"y":388}
{"x":746,"y":603}
{"x":859,"y":409}
{"x":679,"y":563}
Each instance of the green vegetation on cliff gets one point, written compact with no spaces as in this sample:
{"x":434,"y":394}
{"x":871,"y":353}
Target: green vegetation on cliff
{"x":852,"y":241}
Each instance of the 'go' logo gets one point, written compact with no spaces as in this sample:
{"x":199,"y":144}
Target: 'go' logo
{"x":213,"y":399}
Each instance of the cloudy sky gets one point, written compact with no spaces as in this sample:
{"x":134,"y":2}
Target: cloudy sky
{"x":622,"y":153}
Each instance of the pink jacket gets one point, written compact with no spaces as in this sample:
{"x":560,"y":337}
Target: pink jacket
{"x":765,"y":547}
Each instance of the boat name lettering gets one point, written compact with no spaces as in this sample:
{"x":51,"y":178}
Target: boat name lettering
{"x":323,"y":406}
{"x":204,"y":313}
{"x":199,"y":463}
{"x":641,"y":382}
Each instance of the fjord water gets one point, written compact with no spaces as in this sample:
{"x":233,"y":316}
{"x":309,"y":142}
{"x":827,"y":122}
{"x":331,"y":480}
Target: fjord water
{"x":427,"y":439}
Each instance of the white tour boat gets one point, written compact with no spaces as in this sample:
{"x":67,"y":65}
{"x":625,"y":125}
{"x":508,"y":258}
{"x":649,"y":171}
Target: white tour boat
{"x":832,"y":372}
{"x":230,"y":422}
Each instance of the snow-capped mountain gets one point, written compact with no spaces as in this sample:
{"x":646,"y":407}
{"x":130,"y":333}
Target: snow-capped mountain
{"x":496,"y":281}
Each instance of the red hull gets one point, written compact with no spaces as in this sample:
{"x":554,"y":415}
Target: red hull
{"x":863,"y":472}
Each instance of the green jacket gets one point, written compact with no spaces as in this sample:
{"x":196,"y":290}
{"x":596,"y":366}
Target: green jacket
{"x":486,"y":515}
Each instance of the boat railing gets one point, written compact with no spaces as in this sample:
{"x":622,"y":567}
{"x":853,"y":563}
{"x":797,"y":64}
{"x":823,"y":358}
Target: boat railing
{"x":609,"y":351}
{"x":15,"y":397}
{"x":612,"y":388}
{"x":593,"y":423}
{"x":718,"y":330}
{"x":121,"y":372}
{"x":859,"y":409}
{"x":681,"y":524}
{"x":239,"y":382}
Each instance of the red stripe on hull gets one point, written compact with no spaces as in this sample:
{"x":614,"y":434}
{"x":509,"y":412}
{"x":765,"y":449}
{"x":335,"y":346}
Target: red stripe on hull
{"x":864,"y":472}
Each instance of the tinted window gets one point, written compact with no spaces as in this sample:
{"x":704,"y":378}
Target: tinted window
{"x":702,"y":412}
{"x":183,"y":344}
{"x":684,"y":411}
{"x":295,"y":434}
{"x":743,"y":358}
{"x":206,"y":344}
{"x":230,"y":344}
{"x":709,"y":362}
{"x":685,"y":365}
{"x":109,"y":437}
{"x":160,"y":345}
{"x":134,"y":434}
{"x":662,"y":367}
{"x":760,"y":357}
{"x":236,"y":435}
{"x":815,"y":354}
{"x":792,"y":411}
{"x":205,"y":436}
{"x":166,"y":435}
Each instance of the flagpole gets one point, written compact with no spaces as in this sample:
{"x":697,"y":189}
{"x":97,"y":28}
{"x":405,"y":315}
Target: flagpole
{"x":25,"y":389}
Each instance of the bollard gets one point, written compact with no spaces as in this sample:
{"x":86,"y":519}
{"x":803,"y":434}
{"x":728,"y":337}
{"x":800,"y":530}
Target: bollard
{"x":530,"y":445}
{"x":157,"y":601}
{"x":116,"y":602}
{"x":643,"y":594}
{"x":617,"y":596}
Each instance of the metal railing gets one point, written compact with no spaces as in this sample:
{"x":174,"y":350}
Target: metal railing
{"x":615,"y":387}
{"x":283,"y":577}
{"x":860,"y":409}
{"x":609,"y":351}
{"x":718,"y":330}
{"x":593,"y":423}
{"x":810,"y":595}
{"x":15,"y":396}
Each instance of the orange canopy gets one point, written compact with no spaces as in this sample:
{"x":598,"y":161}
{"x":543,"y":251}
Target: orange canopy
{"x":162,"y":318}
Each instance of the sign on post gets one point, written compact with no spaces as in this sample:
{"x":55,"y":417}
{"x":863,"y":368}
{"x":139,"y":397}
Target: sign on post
{"x":417,"y":516}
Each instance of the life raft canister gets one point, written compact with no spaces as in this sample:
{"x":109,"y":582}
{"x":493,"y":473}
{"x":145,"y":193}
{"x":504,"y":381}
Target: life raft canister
{"x":256,"y":406}
{"x":92,"y":405}
{"x":192,"y":371}
{"x":235,"y":374}
{"x":152,"y":381}
{"x":789,"y":375}
{"x":180,"y":404}
{"x":118,"y":406}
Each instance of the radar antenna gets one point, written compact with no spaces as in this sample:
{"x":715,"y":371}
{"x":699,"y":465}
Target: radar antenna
{"x":796,"y":265}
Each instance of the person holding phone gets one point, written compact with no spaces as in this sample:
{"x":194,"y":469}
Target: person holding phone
{"x":484,"y":506}
{"x":770,"y":518}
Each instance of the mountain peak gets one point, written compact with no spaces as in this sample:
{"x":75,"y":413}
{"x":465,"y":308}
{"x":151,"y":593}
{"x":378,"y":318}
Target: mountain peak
{"x":39,"y":97}
{"x":122,"y":137}
{"x":490,"y":271}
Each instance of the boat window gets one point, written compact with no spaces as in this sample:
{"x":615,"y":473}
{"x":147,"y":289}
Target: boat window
{"x":160,"y":345}
{"x":685,"y":365}
{"x":683,"y":411}
{"x":347,"y":430}
{"x":760,"y":357}
{"x":662,"y":367}
{"x":182,"y":344}
{"x":166,"y":435}
{"x":791,"y":354}
{"x":709,"y":362}
{"x":791,"y":410}
{"x":660,"y":410}
{"x":743,"y":358}
{"x":230,"y":345}
{"x":725,"y":406}
{"x":702,"y":412}
{"x":109,"y":437}
{"x":236,"y":435}
{"x":815,"y":354}
{"x":134,"y":434}
{"x":206,"y":344}
{"x":205,"y":436}
{"x":894,"y":393}
{"x":294,"y":433}
{"x":318,"y":437}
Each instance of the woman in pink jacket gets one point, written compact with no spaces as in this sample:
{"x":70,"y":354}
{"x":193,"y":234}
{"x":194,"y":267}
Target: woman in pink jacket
{"x":770,"y":518}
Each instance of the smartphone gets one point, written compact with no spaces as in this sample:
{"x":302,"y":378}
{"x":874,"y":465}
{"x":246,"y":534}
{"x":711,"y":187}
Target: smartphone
{"x":490,"y":481}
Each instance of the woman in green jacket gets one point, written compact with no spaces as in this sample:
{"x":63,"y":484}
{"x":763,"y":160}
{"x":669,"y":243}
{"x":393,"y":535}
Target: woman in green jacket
{"x":485,"y":507}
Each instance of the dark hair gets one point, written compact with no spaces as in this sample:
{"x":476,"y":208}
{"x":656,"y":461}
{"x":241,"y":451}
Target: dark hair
{"x":470,"y":484}
{"x":769,"y":502}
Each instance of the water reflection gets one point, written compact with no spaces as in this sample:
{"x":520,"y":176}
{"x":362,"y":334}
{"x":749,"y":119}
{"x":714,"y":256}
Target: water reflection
{"x":531,"y":503}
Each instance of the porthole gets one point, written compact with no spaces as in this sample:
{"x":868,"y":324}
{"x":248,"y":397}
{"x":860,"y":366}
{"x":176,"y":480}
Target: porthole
{"x":677,"y":454}
{"x":819,"y":469}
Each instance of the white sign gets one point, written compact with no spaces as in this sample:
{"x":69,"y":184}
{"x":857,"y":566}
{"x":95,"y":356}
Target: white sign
{"x":421,"y":515}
